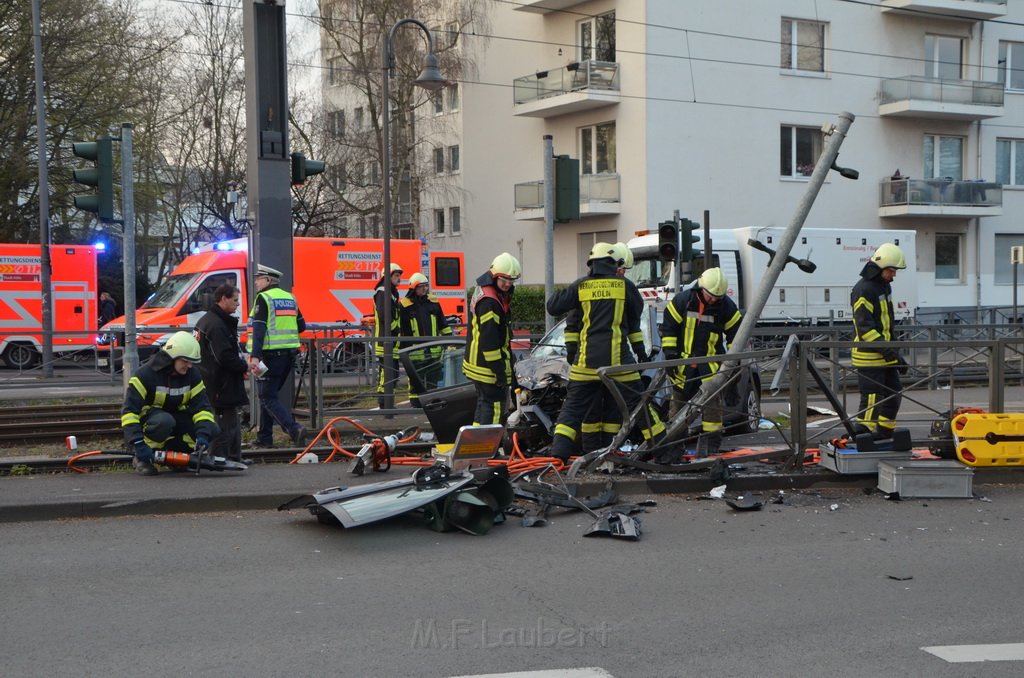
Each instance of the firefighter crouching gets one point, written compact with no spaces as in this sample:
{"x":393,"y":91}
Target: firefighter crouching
{"x":698,"y":322}
{"x":420,"y":315}
{"x":606,"y":311}
{"x":488,"y":362}
{"x":166,"y":406}
{"x":878,"y":370}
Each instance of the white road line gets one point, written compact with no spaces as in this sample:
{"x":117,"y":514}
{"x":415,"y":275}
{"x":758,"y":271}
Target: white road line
{"x":958,"y":654}
{"x":589,"y":672}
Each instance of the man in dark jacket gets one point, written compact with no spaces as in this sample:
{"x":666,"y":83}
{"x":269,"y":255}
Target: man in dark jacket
{"x":878,"y":369}
{"x":607,"y":308}
{"x":488,"y":360}
{"x":420,"y":315}
{"x":700,"y":321}
{"x":166,"y":406}
{"x":385,"y":286}
{"x":224,"y":368}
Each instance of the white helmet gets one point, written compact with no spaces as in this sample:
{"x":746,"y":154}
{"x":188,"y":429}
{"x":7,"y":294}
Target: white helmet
{"x":603,"y":250}
{"x":889,"y":255}
{"x":417,"y":279}
{"x":182,"y":345}
{"x":506,"y":266}
{"x":713,"y":280}
{"x":623,"y":255}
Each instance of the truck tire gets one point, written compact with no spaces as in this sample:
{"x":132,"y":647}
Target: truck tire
{"x":21,"y":356}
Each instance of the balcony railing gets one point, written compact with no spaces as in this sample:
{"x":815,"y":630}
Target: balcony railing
{"x":939,"y":197}
{"x":968,"y":9}
{"x":584,"y":75}
{"x":971,"y":92}
{"x":599,"y":194}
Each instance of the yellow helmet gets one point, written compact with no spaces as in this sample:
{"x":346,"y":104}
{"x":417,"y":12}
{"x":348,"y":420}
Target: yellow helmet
{"x":417,"y":279}
{"x":889,"y":255}
{"x":623,"y":255}
{"x":506,"y":266}
{"x":182,"y":345}
{"x":713,"y":280}
{"x":395,"y":268}
{"x":602,"y":250}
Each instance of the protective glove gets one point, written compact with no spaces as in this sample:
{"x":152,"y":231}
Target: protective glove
{"x":641,"y":353}
{"x":890,"y":354}
{"x":901,"y":365}
{"x":571,"y":352}
{"x":202,"y":443}
{"x":144,"y":452}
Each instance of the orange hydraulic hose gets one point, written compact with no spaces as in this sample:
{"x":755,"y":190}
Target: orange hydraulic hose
{"x":83,"y":455}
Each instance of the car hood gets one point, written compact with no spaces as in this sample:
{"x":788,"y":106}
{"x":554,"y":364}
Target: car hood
{"x":532,"y":373}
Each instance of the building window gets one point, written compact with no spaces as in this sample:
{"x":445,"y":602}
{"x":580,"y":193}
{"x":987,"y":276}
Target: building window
{"x":361,"y":222}
{"x":1010,"y":161}
{"x":438,"y":99}
{"x":375,"y":226}
{"x":453,"y":97}
{"x":439,"y":160}
{"x":596,"y":38}
{"x":343,"y":227}
{"x":453,"y":158}
{"x":357,"y":118}
{"x":453,"y":33}
{"x":799,"y":151}
{"x":1003,"y":268}
{"x":803,"y":45}
{"x":943,"y":57}
{"x":1011,"y":64}
{"x":336,"y":177}
{"x":359,"y":177}
{"x":943,"y":157}
{"x":373,"y":171}
{"x":597,"y":148}
{"x":336,"y":123}
{"x":334,"y":69}
{"x":455,"y":220}
{"x":947,"y":256}
{"x":439,"y":221}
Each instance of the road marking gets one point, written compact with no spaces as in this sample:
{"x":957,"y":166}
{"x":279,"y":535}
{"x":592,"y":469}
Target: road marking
{"x":958,"y":654}
{"x":589,"y":672}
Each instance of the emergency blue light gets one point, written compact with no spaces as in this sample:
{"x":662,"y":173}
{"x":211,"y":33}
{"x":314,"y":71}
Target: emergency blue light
{"x":100,"y":246}
{"x":222,"y":246}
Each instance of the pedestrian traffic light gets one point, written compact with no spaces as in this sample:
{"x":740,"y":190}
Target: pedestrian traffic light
{"x":668,"y":240}
{"x":689,"y":238}
{"x":101,"y":176}
{"x":303,"y":168}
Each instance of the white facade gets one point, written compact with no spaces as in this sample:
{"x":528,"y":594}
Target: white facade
{"x":699,"y":94}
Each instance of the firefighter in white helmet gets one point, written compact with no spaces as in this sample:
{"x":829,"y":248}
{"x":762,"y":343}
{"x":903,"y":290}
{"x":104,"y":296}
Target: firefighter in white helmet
{"x":700,"y":321}
{"x":420,"y":315}
{"x":878,"y":369}
{"x":388,"y":284}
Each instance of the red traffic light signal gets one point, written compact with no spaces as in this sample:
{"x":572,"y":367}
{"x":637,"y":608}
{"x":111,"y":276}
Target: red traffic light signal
{"x":668,"y":240}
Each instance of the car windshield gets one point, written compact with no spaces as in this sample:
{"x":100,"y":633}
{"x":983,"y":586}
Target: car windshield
{"x":553,"y":343}
{"x":171,"y":291}
{"x":649,"y":272}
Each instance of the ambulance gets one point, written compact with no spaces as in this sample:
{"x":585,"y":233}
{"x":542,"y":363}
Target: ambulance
{"x":334,"y":279}
{"x":74,"y":302}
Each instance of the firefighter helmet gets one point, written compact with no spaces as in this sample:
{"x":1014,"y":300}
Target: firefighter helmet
{"x":889,"y":255}
{"x":395,"y":268}
{"x":417,"y":279}
{"x":713,"y":280}
{"x":623,"y":255}
{"x":506,"y":266}
{"x":602,"y":250}
{"x":182,"y":345}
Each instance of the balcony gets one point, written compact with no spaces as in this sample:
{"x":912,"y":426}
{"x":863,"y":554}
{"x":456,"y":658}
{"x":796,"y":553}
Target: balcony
{"x":599,"y":194}
{"x":936,"y":99}
{"x":978,"y":10}
{"x":545,"y":6}
{"x":939,"y":198}
{"x":567,"y":89}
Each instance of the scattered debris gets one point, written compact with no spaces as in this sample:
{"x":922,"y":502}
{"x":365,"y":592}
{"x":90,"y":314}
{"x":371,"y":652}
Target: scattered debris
{"x":895,"y":578}
{"x":745,"y":503}
{"x":717,"y":492}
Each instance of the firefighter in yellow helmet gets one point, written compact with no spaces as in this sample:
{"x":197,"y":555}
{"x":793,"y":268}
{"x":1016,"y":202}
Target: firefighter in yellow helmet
{"x":166,"y":406}
{"x":420,"y":315}
{"x":700,"y":321}
{"x":388,"y":284}
{"x":878,"y":369}
{"x":605,"y":309}
{"x":488,"y":362}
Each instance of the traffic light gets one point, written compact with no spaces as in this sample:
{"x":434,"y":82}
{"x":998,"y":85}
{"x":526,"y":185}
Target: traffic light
{"x":101,"y":176}
{"x":303,"y":168}
{"x":668,"y":240}
{"x":567,"y":188}
{"x":689,"y":237}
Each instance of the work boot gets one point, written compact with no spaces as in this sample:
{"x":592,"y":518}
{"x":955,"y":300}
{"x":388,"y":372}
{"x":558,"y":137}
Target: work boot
{"x":300,"y":437}
{"x":144,"y":468}
{"x":708,"y":444}
{"x":264,"y":444}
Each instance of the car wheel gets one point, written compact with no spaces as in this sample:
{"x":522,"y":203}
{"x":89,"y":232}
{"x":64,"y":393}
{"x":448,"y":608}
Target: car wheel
{"x":750,"y":410}
{"x":21,"y":356}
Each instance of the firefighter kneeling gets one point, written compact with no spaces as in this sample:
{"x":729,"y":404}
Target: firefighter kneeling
{"x":166,"y":406}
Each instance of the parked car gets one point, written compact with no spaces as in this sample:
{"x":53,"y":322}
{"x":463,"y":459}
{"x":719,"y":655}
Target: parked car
{"x":543,"y":377}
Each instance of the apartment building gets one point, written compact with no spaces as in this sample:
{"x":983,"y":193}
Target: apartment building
{"x":718,"y":105}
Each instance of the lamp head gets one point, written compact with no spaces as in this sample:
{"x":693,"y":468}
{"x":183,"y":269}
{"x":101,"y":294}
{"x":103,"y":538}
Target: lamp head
{"x":430,"y":77}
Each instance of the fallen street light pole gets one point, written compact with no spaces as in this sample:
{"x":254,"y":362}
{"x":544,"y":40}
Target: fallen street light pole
{"x":681,"y":422}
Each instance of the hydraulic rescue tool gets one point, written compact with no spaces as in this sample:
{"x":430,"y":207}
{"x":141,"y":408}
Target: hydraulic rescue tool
{"x":376,"y":452}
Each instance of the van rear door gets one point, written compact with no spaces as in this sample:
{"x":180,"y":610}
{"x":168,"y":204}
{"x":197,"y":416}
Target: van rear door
{"x":448,"y":282}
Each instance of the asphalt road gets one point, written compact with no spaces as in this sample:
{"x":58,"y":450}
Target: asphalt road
{"x":805,"y":588}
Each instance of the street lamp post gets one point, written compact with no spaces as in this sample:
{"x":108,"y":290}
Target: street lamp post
{"x":430,"y":79}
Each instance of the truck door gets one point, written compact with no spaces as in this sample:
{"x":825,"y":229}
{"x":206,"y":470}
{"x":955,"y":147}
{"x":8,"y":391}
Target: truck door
{"x":201,"y":298}
{"x":73,"y":315}
{"x":448,"y":282}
